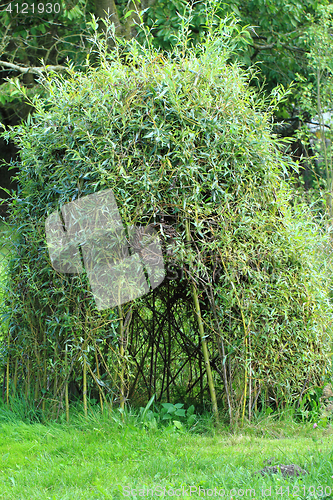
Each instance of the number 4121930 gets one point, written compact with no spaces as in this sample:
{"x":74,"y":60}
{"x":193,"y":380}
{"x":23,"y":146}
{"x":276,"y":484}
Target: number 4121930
{"x":296,"y":491}
{"x":38,"y":8}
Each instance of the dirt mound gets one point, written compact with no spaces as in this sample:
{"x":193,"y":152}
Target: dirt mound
{"x":286,"y":470}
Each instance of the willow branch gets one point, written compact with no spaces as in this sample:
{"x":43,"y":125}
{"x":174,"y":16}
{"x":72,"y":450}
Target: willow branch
{"x":272,"y":45}
{"x":37,"y":70}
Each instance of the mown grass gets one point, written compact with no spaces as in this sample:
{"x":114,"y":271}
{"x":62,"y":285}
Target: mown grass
{"x":104,"y":457}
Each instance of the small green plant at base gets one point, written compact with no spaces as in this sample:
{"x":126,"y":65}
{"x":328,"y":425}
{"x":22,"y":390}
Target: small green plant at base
{"x":168,"y":413}
{"x":316,"y":407}
{"x":184,"y":417}
{"x":310,"y":407}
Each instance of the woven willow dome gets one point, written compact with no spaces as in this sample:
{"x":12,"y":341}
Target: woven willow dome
{"x":242,"y":315}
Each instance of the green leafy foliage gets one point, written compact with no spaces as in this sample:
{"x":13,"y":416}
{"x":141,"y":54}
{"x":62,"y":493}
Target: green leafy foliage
{"x":25,"y":44}
{"x":277,"y":42}
{"x":314,"y":97}
{"x":33,"y":35}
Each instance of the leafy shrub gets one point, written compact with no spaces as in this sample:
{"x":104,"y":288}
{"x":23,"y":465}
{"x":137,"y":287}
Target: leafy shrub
{"x":184,"y":139}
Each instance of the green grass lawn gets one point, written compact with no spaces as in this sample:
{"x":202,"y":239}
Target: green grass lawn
{"x":101,"y":458}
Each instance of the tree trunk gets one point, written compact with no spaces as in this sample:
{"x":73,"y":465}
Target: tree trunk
{"x":106,"y":8}
{"x":203,"y":338}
